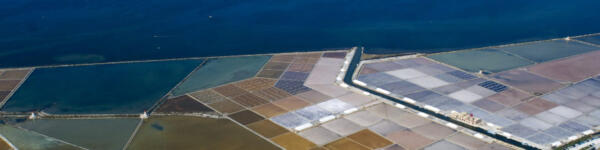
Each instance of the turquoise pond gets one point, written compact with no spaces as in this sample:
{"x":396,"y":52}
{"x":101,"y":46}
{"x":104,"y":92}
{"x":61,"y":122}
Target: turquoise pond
{"x":220,"y":71}
{"x":28,"y":140}
{"x":107,"y":134}
{"x":504,"y":58}
{"x":489,"y":60}
{"x":99,"y":89}
{"x":591,"y":39}
{"x":549,"y":50}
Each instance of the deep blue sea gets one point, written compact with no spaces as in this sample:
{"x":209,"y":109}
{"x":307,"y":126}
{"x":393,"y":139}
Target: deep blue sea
{"x":45,"y":32}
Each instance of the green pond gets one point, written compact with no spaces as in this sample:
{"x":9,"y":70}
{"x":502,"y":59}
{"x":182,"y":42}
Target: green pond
{"x":179,"y":132}
{"x":28,"y":140}
{"x":107,"y":134}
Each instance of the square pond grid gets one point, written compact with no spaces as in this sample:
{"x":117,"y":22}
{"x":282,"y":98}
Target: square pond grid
{"x":311,"y":114}
{"x":568,"y":111}
{"x":380,"y":126}
{"x":355,"y":126}
{"x":401,"y":128}
{"x":256,"y":93}
{"x":527,"y":81}
{"x":571,"y":69}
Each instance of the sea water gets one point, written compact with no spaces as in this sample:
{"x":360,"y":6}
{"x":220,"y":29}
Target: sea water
{"x":74,"y":31}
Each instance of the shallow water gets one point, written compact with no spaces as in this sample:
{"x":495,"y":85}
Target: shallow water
{"x":488,"y":60}
{"x":73,"y":31}
{"x":549,"y":50}
{"x":89,"y":133}
{"x":218,"y":71}
{"x":110,"y":89}
{"x":177,"y":132}
{"x":23,"y":139}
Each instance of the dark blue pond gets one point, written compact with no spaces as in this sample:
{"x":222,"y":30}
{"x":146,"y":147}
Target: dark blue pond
{"x":99,"y":89}
{"x":44,"y":32}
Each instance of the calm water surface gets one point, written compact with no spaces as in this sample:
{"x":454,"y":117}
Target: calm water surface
{"x":44,"y":32}
{"x":128,"y":88}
